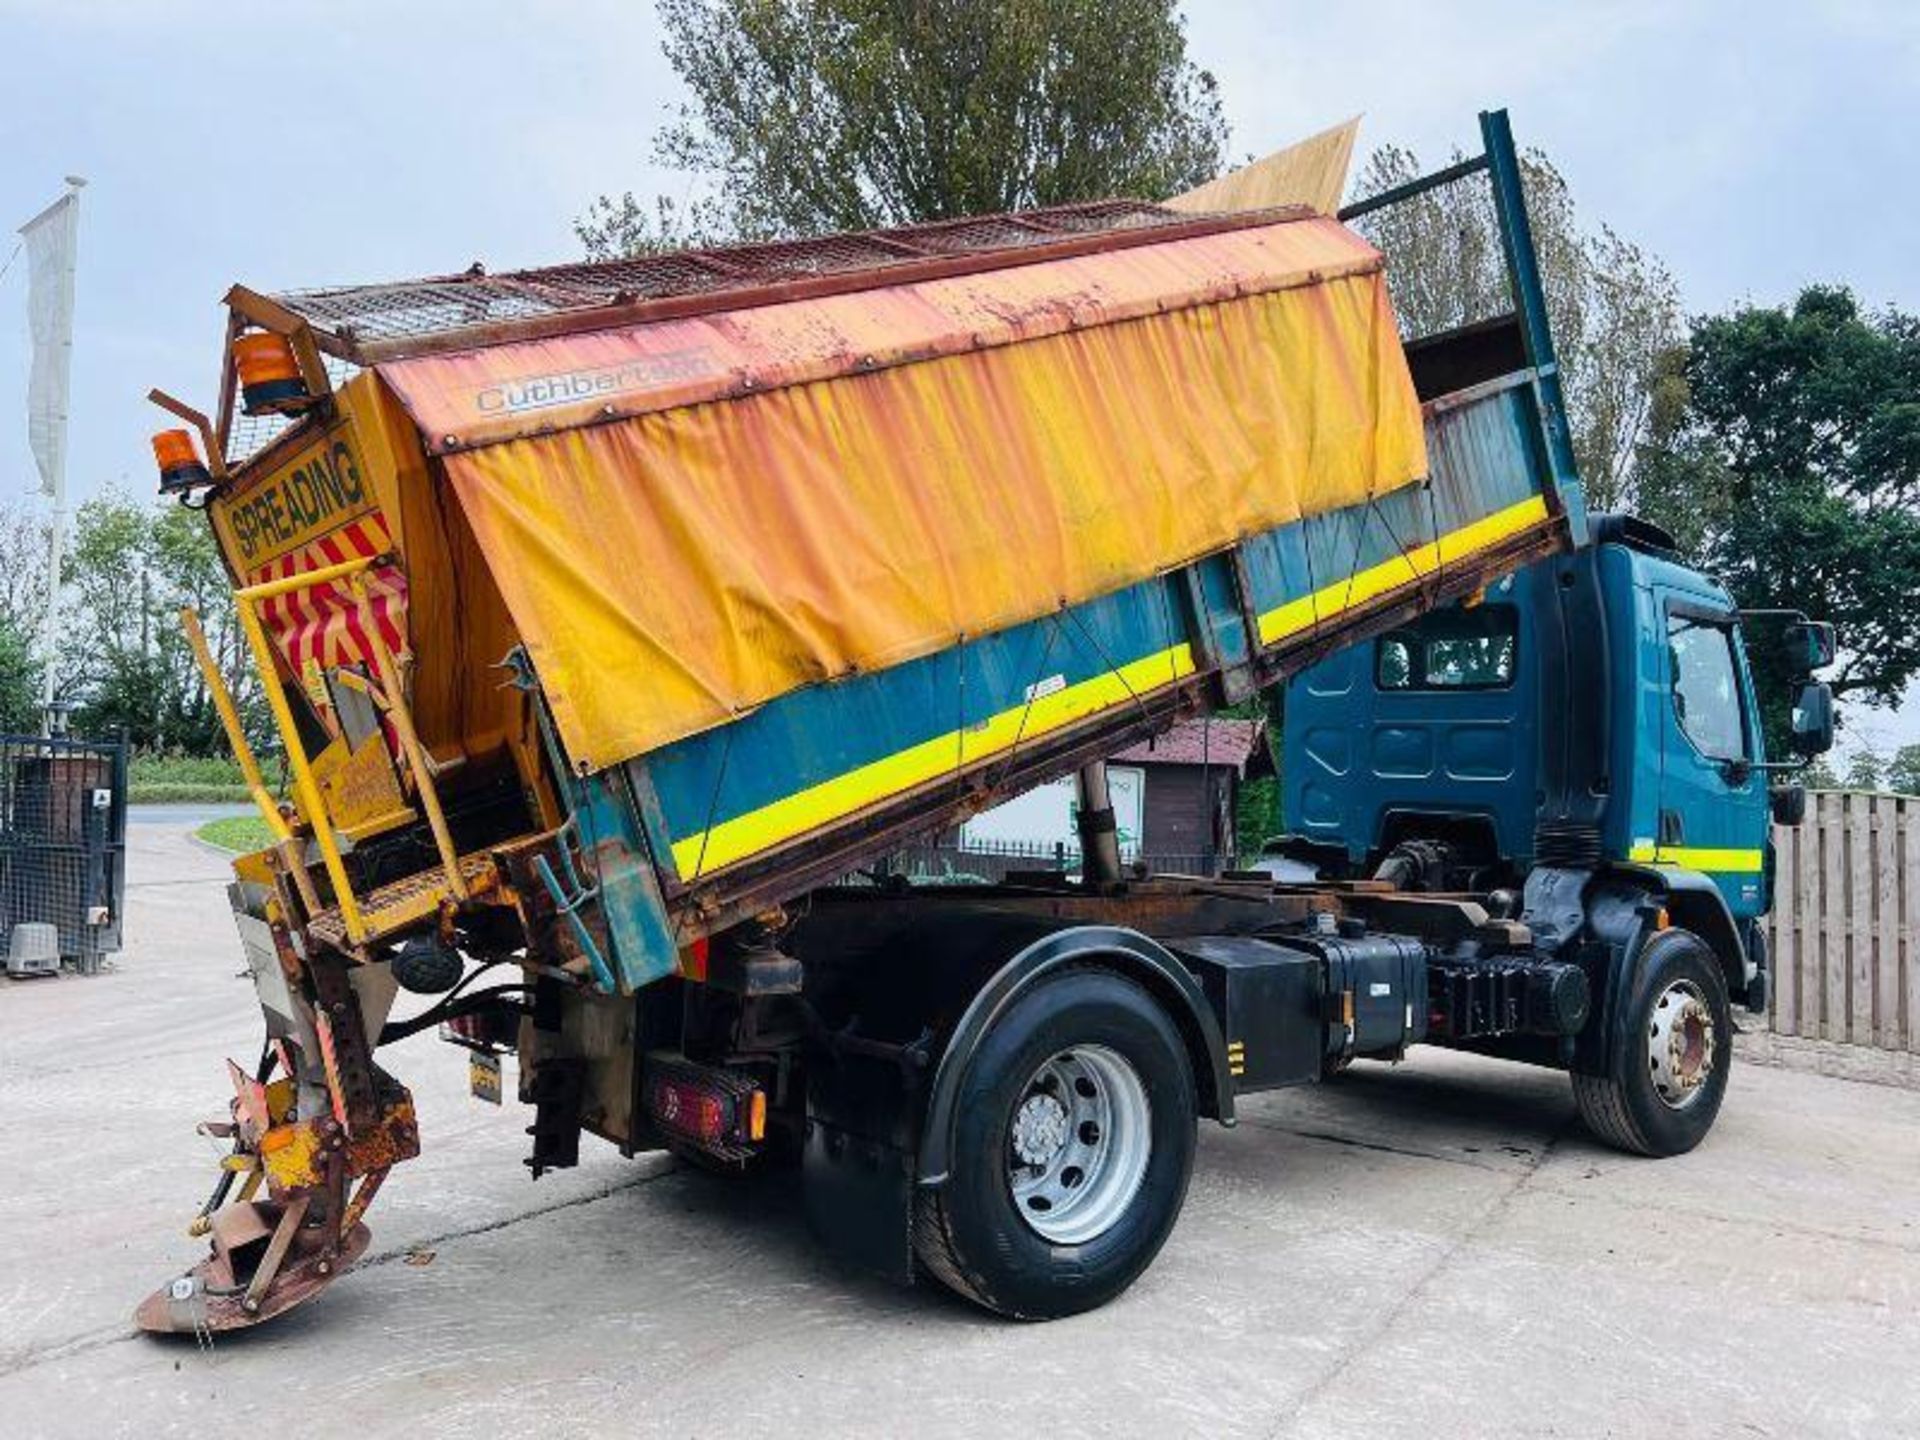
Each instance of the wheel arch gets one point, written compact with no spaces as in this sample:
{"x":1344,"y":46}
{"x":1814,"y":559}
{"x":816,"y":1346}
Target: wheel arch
{"x":1123,"y":951}
{"x":1693,"y":902}
{"x":1622,"y":910}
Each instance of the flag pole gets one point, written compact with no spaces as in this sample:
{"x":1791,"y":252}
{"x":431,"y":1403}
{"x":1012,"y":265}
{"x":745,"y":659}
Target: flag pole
{"x":56,"y":479}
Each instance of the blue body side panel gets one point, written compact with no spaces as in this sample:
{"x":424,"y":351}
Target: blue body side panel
{"x":818,"y":734}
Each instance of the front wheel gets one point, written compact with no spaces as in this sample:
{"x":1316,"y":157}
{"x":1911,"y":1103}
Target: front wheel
{"x":1669,"y":1068}
{"x":1071,"y":1151}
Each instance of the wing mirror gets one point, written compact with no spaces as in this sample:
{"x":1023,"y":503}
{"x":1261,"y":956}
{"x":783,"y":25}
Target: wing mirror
{"x":1812,"y":720}
{"x":1788,"y":803}
{"x":1811,"y":643}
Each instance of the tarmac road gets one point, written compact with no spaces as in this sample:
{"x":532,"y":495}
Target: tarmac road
{"x":1434,"y":1250}
{"x":190,"y":816}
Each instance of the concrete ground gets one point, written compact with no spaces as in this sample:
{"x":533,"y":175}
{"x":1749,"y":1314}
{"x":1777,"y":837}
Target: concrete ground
{"x":1435,"y":1249}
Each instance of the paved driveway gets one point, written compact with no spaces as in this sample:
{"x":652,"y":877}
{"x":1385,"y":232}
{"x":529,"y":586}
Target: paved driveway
{"x":1434,"y":1250}
{"x":189,"y":816}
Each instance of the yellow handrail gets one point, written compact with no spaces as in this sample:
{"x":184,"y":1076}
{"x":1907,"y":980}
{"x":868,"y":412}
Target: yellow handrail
{"x":230,"y":721}
{"x":306,"y":789}
{"x":286,"y":584}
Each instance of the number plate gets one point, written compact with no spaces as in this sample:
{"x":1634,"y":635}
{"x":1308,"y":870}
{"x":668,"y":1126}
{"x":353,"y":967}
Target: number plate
{"x":483,"y":1077}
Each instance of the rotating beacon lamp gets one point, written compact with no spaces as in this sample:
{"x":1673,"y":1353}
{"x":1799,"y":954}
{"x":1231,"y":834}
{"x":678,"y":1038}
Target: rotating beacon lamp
{"x":181,"y":469}
{"x":270,"y":378}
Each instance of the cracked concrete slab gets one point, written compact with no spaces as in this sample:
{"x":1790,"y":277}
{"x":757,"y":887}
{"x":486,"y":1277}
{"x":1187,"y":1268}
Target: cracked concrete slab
{"x":1435,"y":1248}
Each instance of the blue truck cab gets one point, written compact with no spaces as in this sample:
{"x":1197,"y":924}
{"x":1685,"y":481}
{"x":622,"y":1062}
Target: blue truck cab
{"x":1596,"y":709}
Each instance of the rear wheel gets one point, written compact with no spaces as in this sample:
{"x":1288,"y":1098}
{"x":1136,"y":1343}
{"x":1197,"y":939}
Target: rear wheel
{"x":1669,"y":1067}
{"x":1071,"y":1154}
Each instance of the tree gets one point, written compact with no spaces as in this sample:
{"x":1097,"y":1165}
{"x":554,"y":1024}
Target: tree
{"x":124,"y":656}
{"x":1679,"y":481}
{"x":1613,"y":308}
{"x":23,"y":567}
{"x":818,"y":115}
{"x":1903,"y":774}
{"x":1802,"y":423}
{"x":23,"y":587}
{"x":20,"y":673}
{"x":1866,"y":770}
{"x":1818,"y":775}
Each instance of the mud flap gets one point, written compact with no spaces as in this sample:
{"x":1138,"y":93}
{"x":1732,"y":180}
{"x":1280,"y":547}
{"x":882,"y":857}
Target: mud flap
{"x":857,"y":1170}
{"x":858,"y":1197}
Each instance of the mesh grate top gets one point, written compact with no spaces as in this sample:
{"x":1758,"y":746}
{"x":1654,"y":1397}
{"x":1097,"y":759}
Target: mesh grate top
{"x":416,"y":310}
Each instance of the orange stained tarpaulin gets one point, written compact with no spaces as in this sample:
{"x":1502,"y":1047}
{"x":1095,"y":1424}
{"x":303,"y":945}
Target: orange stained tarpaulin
{"x":786,"y":495}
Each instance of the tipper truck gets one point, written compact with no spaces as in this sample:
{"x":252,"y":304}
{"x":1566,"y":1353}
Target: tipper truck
{"x":611,"y":615}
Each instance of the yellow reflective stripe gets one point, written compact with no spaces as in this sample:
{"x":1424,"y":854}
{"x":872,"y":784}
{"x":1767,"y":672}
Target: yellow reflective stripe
{"x":1403,"y":569}
{"x":890,"y":775}
{"x":1698,"y":857}
{"x":830,"y":800}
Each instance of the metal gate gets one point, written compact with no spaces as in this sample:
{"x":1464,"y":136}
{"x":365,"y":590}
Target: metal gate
{"x":63,"y":831}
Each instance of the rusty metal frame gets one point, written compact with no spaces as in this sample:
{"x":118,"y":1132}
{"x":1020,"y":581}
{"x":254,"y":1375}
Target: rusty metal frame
{"x":249,"y":307}
{"x":209,"y":437}
{"x":229,"y":380}
{"x":284,"y":1235}
{"x":927,"y":266}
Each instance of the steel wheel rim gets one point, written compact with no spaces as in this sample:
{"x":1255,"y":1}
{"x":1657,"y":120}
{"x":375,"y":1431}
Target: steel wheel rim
{"x":1078,"y":1143}
{"x":1680,"y":1044}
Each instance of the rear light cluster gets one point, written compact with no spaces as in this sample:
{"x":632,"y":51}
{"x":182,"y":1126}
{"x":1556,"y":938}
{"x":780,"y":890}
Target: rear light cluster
{"x":721,"y":1111}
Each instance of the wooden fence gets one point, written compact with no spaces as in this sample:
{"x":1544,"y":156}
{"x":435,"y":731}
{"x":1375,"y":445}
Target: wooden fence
{"x":1845,"y":929}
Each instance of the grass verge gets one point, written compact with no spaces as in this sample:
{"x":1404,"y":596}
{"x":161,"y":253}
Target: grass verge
{"x":241,"y":834}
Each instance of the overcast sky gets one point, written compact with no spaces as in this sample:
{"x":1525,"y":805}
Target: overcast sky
{"x":1753,"y":146}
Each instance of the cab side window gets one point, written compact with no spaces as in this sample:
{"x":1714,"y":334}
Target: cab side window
{"x":1706,"y":687}
{"x":1455,"y":649}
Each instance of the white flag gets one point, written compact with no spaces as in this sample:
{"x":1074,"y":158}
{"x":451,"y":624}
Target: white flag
{"x":51,"y":239}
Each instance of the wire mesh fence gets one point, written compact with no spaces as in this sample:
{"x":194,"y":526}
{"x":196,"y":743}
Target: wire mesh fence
{"x":353,"y":315}
{"x":63,"y":818}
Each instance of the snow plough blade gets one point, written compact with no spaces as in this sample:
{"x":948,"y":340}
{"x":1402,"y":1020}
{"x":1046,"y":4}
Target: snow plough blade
{"x":229,"y":1291}
{"x":313,"y":1176}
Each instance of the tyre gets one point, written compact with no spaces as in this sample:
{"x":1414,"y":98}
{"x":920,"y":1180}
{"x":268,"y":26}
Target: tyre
{"x":1071,"y":1152}
{"x":1670,"y":1064}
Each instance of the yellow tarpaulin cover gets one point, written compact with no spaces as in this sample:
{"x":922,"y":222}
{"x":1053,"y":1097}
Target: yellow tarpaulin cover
{"x":1082,"y":424}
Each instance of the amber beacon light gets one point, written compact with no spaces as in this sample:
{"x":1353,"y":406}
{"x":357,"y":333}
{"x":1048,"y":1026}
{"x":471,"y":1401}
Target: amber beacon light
{"x":181,"y":468}
{"x":270,"y":379}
